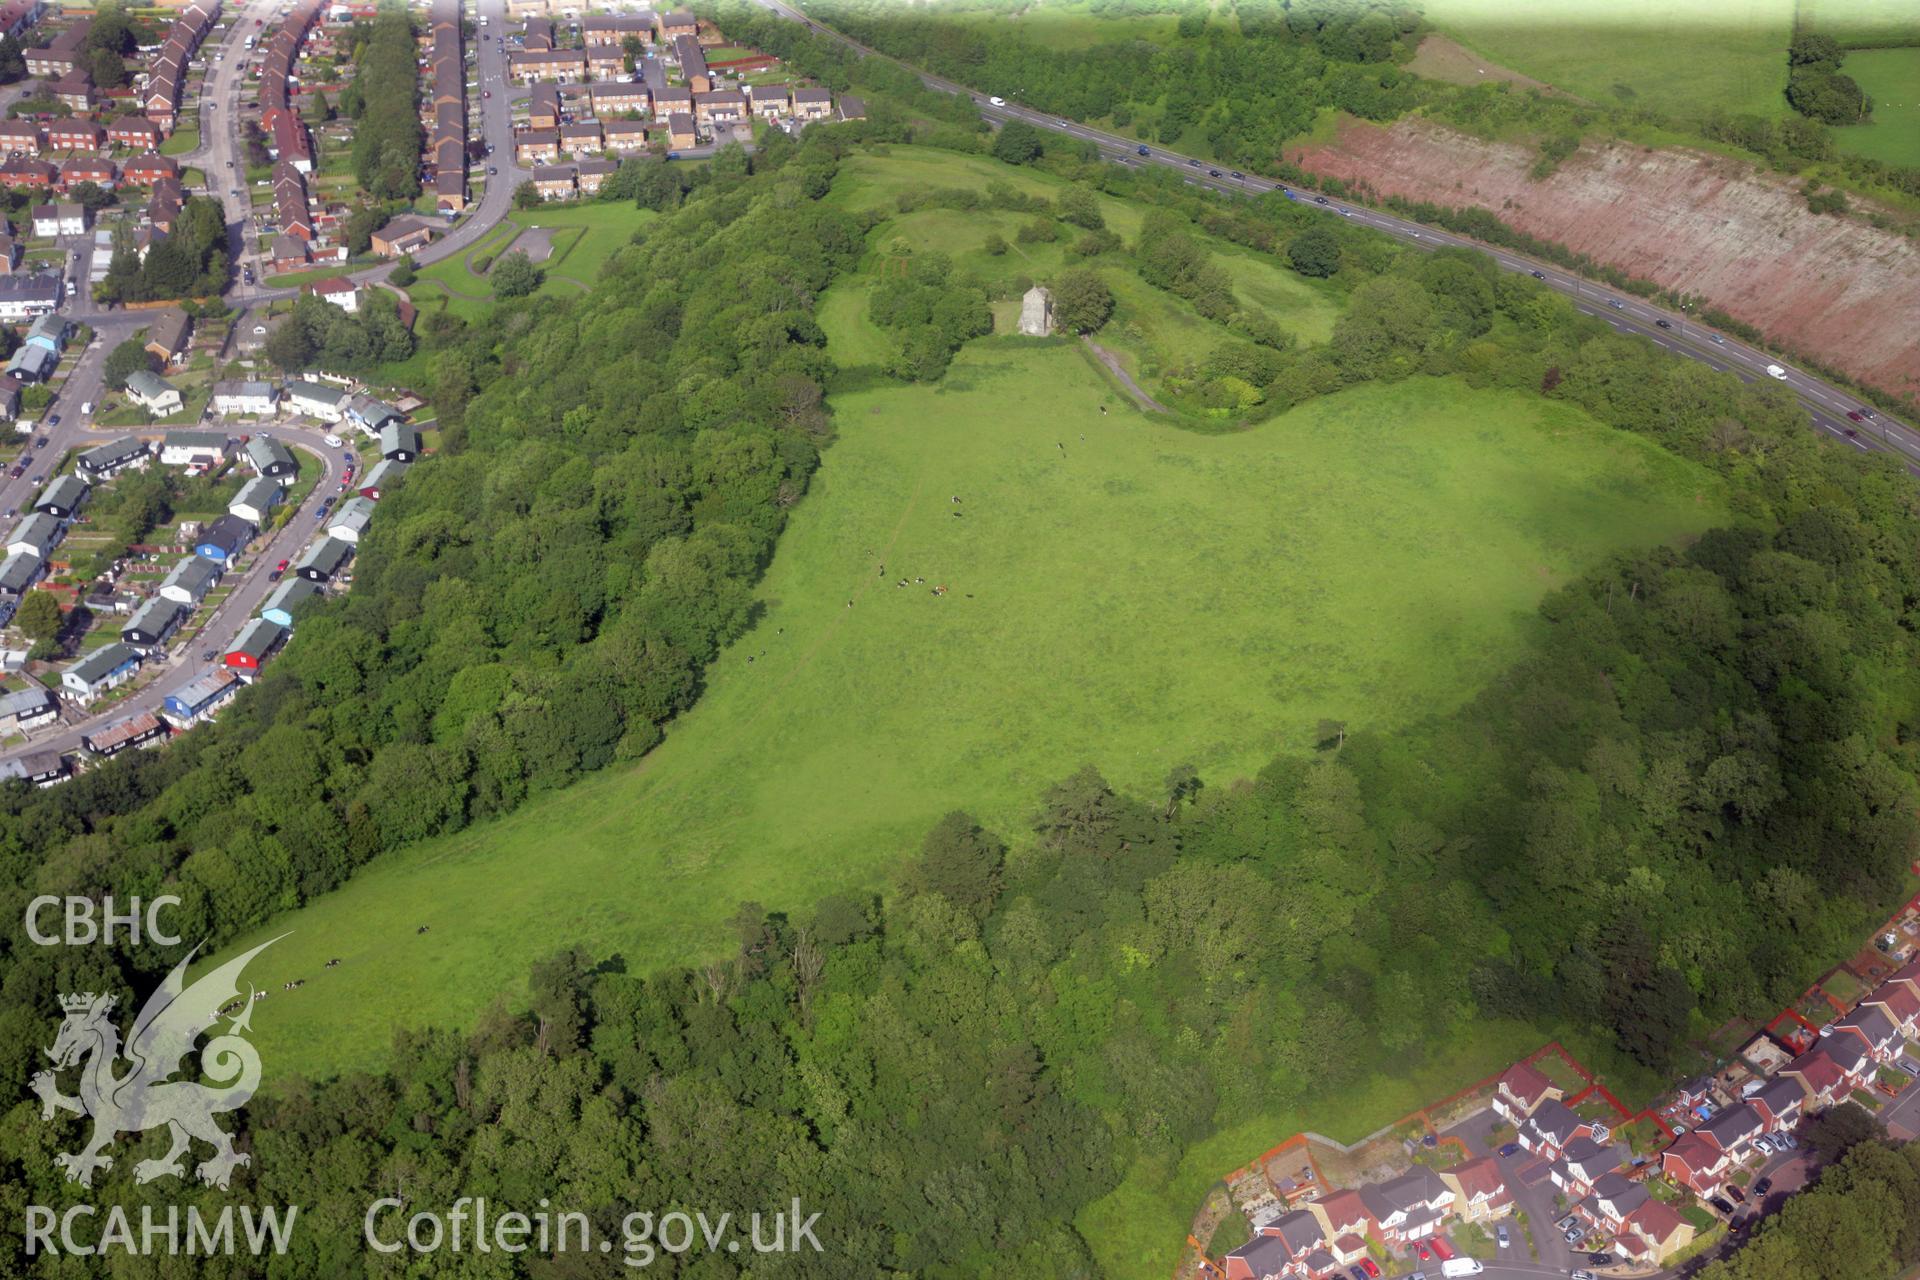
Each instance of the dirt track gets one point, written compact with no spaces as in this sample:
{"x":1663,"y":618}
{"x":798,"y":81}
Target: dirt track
{"x":1835,"y":288}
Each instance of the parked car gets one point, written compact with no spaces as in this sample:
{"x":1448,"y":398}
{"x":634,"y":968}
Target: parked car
{"x":1565,"y":1222}
{"x":1763,"y":1144}
{"x":1600,"y":1259}
{"x":42,"y":442}
{"x":53,"y":419}
{"x":1511,"y":1148}
{"x":1761,"y":1188}
{"x":492,"y":169}
{"x":275,"y":575}
{"x":1583,"y":1275}
{"x":1905,"y":1064}
{"x":1786,"y":1140}
{"x":282,"y":566}
{"x":1739,"y":1196}
{"x":1441,"y":1249}
{"x":1356,"y":1273}
{"x":1372,"y":1268}
{"x":1501,"y":1237}
{"x":1722,"y":1206}
{"x":1572,"y":1234}
{"x":1420,"y":1247}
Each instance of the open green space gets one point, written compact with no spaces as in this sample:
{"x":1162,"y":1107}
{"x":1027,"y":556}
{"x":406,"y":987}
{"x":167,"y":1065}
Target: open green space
{"x":184,"y":139}
{"x":1863,"y":22}
{"x":1165,"y":595}
{"x":584,"y":237}
{"x":1679,"y":59}
{"x":1151,"y":328}
{"x":1891,"y":80}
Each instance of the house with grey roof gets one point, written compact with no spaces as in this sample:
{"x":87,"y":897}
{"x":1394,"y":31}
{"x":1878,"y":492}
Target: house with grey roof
{"x":324,"y":559}
{"x":190,"y":580}
{"x":18,"y":572}
{"x":385,"y":475}
{"x":244,"y":398}
{"x":115,"y":456}
{"x":105,"y":668}
{"x":268,"y":457}
{"x":257,"y":499}
{"x":194,"y":448}
{"x":37,"y":535}
{"x":350,"y":520}
{"x":286,"y":597}
{"x":154,"y":622}
{"x":63,"y":497}
{"x":315,"y":400}
{"x":154,"y":393}
{"x":27,"y":708}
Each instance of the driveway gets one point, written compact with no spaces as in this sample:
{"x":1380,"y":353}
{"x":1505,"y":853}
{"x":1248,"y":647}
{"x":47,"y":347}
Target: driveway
{"x":1533,"y":1193}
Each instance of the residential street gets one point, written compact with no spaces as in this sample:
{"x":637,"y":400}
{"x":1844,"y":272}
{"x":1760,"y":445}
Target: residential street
{"x":222,"y":155}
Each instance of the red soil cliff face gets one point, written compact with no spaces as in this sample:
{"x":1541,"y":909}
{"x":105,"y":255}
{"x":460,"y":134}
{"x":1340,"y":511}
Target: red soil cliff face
{"x":1834,"y":288}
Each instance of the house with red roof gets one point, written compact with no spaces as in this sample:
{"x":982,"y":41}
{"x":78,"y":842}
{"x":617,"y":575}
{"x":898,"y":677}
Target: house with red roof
{"x":1653,"y":1233}
{"x":1479,"y":1189}
{"x":1342,"y":1214}
{"x":74,"y":135}
{"x":1520,"y":1090}
{"x":1733,"y":1131}
{"x":99,"y":172}
{"x":137,"y":132}
{"x":149,"y":169}
{"x":1696,"y":1163}
{"x":1829,"y":1071}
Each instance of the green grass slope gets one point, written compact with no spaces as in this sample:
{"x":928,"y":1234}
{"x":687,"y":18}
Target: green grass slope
{"x":1681,"y":59}
{"x":1141,"y":598}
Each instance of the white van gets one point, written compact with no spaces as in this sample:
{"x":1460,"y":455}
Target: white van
{"x":1461,"y":1267}
{"x":1775,"y":371}
{"x":333,"y":441}
{"x":86,"y":408}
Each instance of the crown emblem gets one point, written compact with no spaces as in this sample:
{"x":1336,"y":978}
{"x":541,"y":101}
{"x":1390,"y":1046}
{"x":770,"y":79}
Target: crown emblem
{"x":82,"y":1002}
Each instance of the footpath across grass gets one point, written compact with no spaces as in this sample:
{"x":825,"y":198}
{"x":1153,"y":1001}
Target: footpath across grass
{"x":1120,"y":592}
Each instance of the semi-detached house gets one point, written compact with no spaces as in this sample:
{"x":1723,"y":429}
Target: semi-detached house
{"x":1409,"y":1207}
{"x":1553,"y":1126}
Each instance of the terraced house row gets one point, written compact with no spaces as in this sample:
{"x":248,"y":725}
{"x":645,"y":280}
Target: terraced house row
{"x":446,"y":108}
{"x":287,"y":135}
{"x":167,"y":73}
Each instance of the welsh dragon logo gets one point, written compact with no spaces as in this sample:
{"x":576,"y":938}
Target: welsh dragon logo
{"x":144,"y":1096}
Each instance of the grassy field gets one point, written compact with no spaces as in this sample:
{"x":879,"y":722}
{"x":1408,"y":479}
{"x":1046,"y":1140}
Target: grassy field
{"x":1681,"y":59}
{"x":584,"y":237}
{"x":1145,"y":597}
{"x":1150,"y":327}
{"x":1863,"y":22}
{"x":1891,"y":78}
